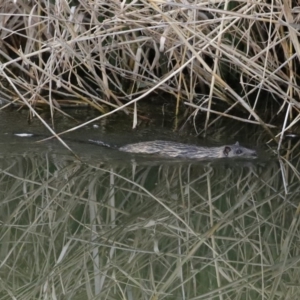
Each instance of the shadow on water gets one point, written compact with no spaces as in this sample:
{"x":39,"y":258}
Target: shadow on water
{"x":148,"y":229}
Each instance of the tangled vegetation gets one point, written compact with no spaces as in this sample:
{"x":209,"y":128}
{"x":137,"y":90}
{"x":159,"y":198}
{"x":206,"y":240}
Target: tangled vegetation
{"x":182,"y":231}
{"x":224,"y":59}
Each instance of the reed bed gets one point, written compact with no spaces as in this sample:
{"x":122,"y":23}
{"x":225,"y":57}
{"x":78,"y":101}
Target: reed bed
{"x":82,"y":231}
{"x":224,"y":59}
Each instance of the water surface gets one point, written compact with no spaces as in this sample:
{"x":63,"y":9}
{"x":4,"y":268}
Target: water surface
{"x":111,"y":225}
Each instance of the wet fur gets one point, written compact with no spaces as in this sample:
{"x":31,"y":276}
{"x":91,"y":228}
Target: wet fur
{"x":172,"y":149}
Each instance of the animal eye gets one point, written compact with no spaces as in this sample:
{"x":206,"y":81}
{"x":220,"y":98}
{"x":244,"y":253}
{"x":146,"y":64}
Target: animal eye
{"x":239,"y":151}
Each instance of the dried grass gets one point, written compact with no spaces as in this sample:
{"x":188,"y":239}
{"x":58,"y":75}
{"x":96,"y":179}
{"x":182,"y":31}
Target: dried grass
{"x":111,"y":54}
{"x":82,"y":231}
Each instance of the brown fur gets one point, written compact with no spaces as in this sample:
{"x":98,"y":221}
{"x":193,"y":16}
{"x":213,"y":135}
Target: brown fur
{"x":172,"y":149}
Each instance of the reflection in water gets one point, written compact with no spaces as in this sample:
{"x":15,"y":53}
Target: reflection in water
{"x":147,"y":231}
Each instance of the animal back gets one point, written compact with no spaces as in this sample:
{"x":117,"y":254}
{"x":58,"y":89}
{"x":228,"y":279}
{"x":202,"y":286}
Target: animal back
{"x":172,"y":149}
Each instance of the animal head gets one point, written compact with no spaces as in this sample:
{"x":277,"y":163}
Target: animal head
{"x":238,"y":151}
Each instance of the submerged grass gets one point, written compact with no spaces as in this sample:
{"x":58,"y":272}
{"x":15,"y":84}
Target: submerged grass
{"x":196,"y":231}
{"x":213,"y":58}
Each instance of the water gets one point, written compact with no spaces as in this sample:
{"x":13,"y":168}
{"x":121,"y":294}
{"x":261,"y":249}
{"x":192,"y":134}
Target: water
{"x":118,"y":226}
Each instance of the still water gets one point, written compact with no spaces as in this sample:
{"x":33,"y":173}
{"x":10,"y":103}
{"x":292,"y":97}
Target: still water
{"x":110,"y":225}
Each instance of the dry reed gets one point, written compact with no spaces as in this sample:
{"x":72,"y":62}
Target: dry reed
{"x":196,"y":231}
{"x":215,"y":57}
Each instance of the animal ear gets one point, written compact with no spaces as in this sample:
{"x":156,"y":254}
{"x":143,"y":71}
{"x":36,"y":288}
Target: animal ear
{"x":237,"y":143}
{"x":226,"y":150}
